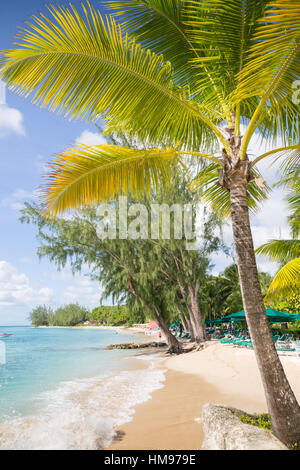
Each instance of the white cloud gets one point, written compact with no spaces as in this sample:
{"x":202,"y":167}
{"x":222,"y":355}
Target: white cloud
{"x":91,"y":138}
{"x":78,"y":287}
{"x":16,"y":199}
{"x":11,"y":121}
{"x":15,"y":288}
{"x":84,"y":291}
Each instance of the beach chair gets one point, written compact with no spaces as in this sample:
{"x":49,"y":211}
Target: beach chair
{"x":296,"y":347}
{"x":283,"y":343}
{"x":186,"y":335}
{"x":227,"y":339}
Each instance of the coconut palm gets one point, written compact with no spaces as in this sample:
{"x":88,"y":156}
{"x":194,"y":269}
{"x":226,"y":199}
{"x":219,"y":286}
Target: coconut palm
{"x":180,"y":76}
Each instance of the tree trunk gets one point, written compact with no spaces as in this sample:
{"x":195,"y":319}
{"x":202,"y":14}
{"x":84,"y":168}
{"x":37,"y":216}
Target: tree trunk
{"x":191,"y":319}
{"x":190,"y":327}
{"x":282,"y":404}
{"x":174,"y":345}
{"x":200,"y":332}
{"x":185,"y":323}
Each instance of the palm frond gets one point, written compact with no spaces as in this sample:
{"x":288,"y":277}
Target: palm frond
{"x":159,"y":26}
{"x":206,"y":184}
{"x":222,"y":33}
{"x":88,"y":175}
{"x":280,"y":250}
{"x":273,"y":66}
{"x":163,"y":26}
{"x":85,"y":67}
{"x":290,"y":168}
{"x":291,"y":155}
{"x":286,"y":282}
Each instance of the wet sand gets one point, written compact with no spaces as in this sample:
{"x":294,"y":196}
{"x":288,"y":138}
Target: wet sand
{"x":171,"y":419}
{"x":220,"y":374}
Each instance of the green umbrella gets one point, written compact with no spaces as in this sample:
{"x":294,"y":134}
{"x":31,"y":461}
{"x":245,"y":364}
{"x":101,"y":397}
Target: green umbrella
{"x":274,"y":316}
{"x":214,"y":322}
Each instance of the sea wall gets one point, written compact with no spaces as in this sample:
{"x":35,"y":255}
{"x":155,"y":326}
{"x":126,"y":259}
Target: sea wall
{"x":224,"y":430}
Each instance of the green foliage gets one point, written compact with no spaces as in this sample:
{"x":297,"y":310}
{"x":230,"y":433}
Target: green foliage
{"x":170,"y":74}
{"x":69,"y":315}
{"x":221,"y":295}
{"x":40,"y":315}
{"x":291,"y":305}
{"x":293,"y":329}
{"x":150,"y":276}
{"x":112,"y":315}
{"x":261,"y":420}
{"x":286,"y":283}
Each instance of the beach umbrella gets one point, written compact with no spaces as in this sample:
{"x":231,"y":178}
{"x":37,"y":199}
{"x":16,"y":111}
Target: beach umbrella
{"x":274,"y":316}
{"x":153,"y":325}
{"x":175,"y":325}
{"x":217,"y":321}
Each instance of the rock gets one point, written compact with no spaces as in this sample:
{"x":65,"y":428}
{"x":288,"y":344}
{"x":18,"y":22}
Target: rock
{"x":153,"y":344}
{"x":224,"y":430}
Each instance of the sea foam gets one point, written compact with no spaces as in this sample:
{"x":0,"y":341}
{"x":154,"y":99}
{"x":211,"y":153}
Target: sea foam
{"x":83,"y":414}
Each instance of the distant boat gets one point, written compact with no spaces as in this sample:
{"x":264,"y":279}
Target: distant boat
{"x":3,"y":335}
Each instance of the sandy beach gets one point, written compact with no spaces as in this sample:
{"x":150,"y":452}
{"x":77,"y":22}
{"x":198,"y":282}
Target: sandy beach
{"x":220,"y":374}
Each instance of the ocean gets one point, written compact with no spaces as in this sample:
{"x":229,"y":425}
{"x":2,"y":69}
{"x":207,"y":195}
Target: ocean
{"x":61,"y":389}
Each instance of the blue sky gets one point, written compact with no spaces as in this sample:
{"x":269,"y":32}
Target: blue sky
{"x":29,"y":137}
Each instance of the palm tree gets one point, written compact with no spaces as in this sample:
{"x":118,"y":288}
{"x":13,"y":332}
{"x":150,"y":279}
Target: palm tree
{"x":181,"y":76}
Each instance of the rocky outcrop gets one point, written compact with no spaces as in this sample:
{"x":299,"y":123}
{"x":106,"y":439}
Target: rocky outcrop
{"x":153,"y":344}
{"x":224,"y":430}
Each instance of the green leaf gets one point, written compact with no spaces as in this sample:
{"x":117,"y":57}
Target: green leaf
{"x":280,"y":250}
{"x":206,"y":183}
{"x":87,"y":175}
{"x":272,"y":68}
{"x":286,"y":282}
{"x":85,"y":67}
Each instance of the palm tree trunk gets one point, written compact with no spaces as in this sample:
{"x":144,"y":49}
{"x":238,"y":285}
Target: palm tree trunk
{"x":282,"y":404}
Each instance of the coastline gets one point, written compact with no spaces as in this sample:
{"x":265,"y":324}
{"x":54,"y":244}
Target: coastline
{"x":125,"y":329}
{"x":84,"y":405}
{"x":219,"y":374}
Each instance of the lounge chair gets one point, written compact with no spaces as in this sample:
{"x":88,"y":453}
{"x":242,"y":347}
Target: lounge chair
{"x":296,"y":347}
{"x":186,"y":335}
{"x":283,"y":341}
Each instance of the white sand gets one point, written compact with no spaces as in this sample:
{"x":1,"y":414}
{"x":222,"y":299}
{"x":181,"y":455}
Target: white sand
{"x":220,"y":374}
{"x":234,"y":372}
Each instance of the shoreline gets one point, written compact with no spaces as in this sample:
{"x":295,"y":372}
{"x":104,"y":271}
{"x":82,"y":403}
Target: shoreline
{"x":125,"y":329}
{"x":84,"y":407}
{"x":219,"y":374}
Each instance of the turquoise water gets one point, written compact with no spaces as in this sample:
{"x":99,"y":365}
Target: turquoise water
{"x":60,"y":388}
